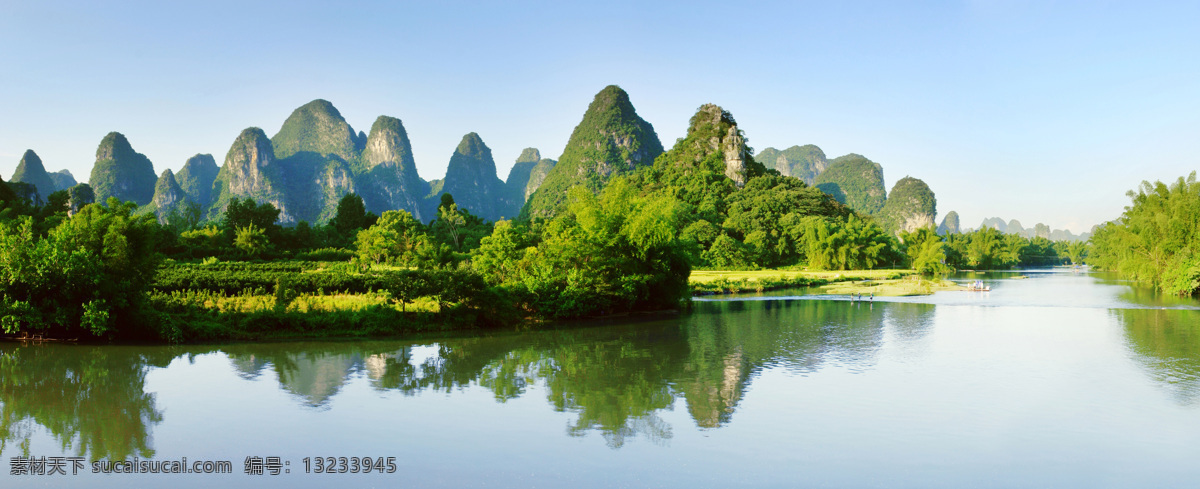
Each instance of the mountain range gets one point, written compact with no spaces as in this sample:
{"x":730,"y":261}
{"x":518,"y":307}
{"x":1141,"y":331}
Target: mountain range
{"x":316,"y":157}
{"x":857,"y":182}
{"x":1039,"y":230}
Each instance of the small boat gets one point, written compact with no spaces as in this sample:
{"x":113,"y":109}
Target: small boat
{"x":978,"y":286}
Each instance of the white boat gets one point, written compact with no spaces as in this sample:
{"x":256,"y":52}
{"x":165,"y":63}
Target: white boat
{"x":978,"y":287}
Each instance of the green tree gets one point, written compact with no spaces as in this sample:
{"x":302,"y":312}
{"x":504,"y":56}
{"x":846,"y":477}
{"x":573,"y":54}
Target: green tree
{"x":614,"y":252}
{"x":853,"y":244}
{"x":206,"y":241}
{"x":86,"y":277}
{"x":1077,"y":251}
{"x":497,"y":256}
{"x":925,"y":250}
{"x":1154,"y":241}
{"x":245,"y":212}
{"x":452,"y":220}
{"x":726,"y":253}
{"x":80,"y":195}
{"x":393,"y":239}
{"x":984,"y":249}
{"x":251,"y":240}
{"x":352,"y":216}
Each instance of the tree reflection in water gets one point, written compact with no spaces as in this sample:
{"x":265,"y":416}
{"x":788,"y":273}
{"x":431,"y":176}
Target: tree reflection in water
{"x":1167,"y":343}
{"x":616,"y":380}
{"x":91,"y":399}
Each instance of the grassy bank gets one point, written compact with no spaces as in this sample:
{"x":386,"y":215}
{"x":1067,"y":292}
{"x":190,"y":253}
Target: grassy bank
{"x":909,"y":285}
{"x":708,"y":282}
{"x":205,"y":316}
{"x":193,"y":302}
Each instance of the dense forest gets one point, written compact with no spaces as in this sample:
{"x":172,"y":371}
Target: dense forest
{"x":1155,"y":240}
{"x":622,"y":238}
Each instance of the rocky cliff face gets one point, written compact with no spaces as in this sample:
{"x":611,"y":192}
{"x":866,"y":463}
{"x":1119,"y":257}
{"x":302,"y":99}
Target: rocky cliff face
{"x":527,"y":175}
{"x":122,"y":172}
{"x":537,"y":175}
{"x":168,"y":195}
{"x":471,"y":179}
{"x":335,"y":180}
{"x":611,"y":139}
{"x":30,"y":170}
{"x":318,"y":154}
{"x":63,"y":180}
{"x":855,"y":181}
{"x":391,"y":181}
{"x":910,"y":206}
{"x":713,"y":126}
{"x":251,"y":170}
{"x":197,"y":177}
{"x":803,"y":162}
{"x":518,"y":176}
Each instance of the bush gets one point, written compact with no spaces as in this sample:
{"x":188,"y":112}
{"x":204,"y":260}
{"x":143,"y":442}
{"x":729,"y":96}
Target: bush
{"x":85,"y":278}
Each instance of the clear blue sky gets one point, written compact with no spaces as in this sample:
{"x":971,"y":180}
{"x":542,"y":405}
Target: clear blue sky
{"x":1040,"y":111}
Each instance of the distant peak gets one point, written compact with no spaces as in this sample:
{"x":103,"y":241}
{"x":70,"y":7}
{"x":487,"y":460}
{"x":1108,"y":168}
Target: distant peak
{"x":611,"y":96}
{"x":30,"y":158}
{"x":319,"y":108}
{"x":472,"y":145}
{"x":710,"y":115}
{"x":201,"y":159}
{"x":529,"y":155}
{"x":113,"y":145}
{"x":252,"y":133}
{"x":320,"y":105}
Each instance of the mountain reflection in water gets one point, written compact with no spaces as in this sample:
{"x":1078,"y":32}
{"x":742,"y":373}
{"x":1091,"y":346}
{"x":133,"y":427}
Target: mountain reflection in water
{"x":617,"y":380}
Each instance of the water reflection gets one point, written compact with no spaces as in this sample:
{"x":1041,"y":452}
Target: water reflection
{"x":1167,"y":344}
{"x":616,"y":381}
{"x":91,"y":400}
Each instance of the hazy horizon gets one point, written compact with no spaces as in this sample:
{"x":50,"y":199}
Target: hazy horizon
{"x":1019,"y":110}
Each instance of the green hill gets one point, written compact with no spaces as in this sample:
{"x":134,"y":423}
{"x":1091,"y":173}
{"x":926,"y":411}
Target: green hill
{"x":803,"y":162}
{"x":30,"y":170}
{"x":250,"y":170}
{"x":610,"y":140}
{"x":518,"y":176}
{"x":122,"y":172}
{"x":855,"y":181}
{"x":390,"y":180}
{"x":63,"y":180}
{"x":471,"y":179}
{"x":317,"y":127}
{"x":197,"y":177}
{"x":736,"y":211}
{"x":910,"y":205}
{"x":949,"y":224}
{"x":168,"y":195}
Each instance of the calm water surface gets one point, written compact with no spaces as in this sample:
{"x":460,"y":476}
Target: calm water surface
{"x":1058,"y":380}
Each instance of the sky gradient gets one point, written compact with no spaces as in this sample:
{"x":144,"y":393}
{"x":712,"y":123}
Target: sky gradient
{"x":1038,"y":111}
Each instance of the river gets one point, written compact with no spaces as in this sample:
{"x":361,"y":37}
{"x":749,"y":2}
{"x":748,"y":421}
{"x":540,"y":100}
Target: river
{"x":1060,"y":379}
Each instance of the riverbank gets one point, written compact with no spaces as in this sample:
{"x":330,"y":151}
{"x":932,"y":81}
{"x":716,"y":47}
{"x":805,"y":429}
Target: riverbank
{"x":907,"y":286}
{"x":712,"y":282}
